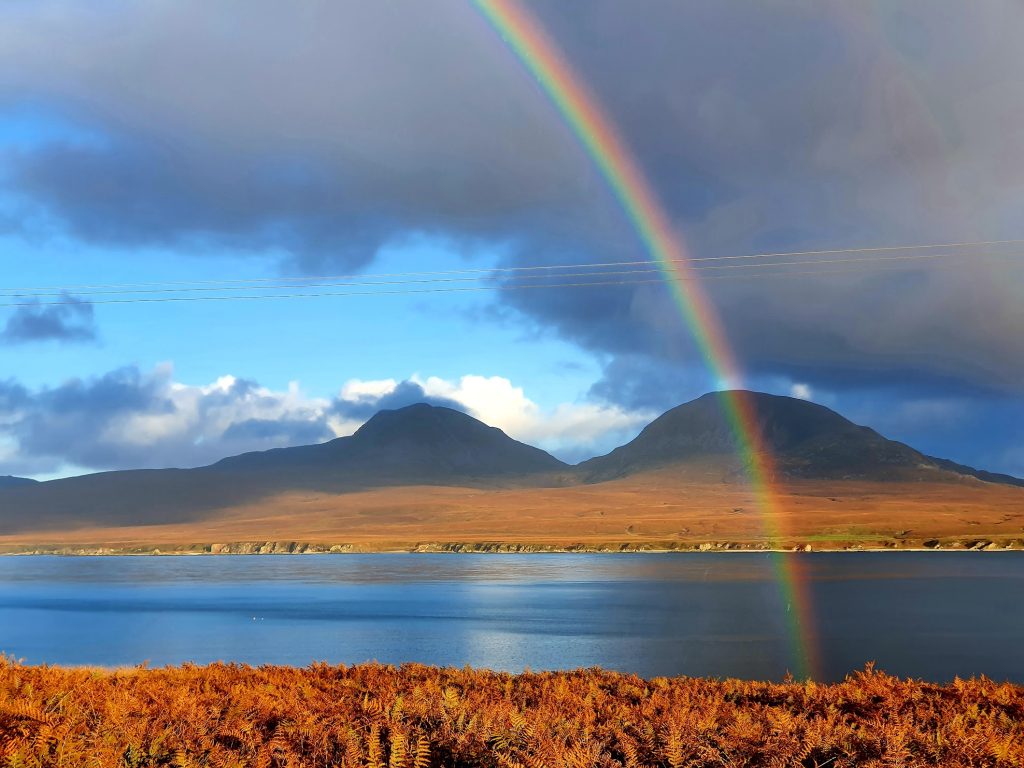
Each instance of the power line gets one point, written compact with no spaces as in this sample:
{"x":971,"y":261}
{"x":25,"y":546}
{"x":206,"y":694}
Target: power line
{"x":505,"y":284}
{"x":256,"y":282}
{"x":469,"y":289}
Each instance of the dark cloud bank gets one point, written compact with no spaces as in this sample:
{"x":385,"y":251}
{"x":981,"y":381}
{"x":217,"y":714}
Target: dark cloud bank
{"x":329,"y":131}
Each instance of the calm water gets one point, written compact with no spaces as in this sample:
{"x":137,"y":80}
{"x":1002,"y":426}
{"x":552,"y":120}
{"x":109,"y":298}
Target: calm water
{"x":930,"y":615}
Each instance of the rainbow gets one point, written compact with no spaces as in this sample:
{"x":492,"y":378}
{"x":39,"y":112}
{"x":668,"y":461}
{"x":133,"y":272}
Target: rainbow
{"x":629,"y":185}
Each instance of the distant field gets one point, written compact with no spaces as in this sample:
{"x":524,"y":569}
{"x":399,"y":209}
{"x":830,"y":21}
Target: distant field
{"x":656,"y":510}
{"x":423,"y":717}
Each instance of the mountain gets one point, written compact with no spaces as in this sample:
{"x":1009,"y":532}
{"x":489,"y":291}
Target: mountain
{"x":980,"y":474}
{"x":417,"y":445}
{"x":804,"y":439}
{"x":423,"y":445}
{"x":9,"y":481}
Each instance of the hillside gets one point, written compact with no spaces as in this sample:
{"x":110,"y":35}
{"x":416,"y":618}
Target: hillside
{"x":416,"y":445}
{"x":9,"y":481}
{"x":426,"y":475}
{"x":805,"y":441}
{"x":413,"y":445}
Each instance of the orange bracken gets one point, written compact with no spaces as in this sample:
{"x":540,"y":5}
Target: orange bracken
{"x":417,"y":716}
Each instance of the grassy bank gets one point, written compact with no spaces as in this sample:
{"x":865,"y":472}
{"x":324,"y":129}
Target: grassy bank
{"x":417,"y":716}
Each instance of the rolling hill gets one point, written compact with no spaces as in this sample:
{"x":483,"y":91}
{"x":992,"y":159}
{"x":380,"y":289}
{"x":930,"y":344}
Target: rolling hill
{"x":431,"y":473}
{"x":805,"y":440}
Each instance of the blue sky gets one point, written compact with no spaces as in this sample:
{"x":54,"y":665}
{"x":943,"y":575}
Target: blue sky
{"x":321,"y":342}
{"x":172,"y":142}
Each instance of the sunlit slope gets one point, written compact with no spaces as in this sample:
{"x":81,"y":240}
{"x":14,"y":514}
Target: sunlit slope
{"x":428,"y":476}
{"x":654,"y":510}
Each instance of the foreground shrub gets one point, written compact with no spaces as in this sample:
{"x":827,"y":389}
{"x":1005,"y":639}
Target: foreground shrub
{"x":377,"y":716}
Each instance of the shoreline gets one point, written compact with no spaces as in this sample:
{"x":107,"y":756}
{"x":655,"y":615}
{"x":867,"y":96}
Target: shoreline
{"x":243,"y":548}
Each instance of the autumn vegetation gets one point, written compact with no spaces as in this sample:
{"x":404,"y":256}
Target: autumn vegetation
{"x":661,"y":511}
{"x":418,"y":716}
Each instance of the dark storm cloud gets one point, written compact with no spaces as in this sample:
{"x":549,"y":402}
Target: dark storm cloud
{"x":791,"y":126}
{"x":640,"y":382}
{"x":325,"y":131}
{"x":405,"y":393}
{"x":329,"y":130}
{"x":73,"y":321}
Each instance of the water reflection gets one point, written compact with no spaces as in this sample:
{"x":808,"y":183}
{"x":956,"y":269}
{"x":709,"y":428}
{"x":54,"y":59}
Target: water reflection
{"x":931,"y":615}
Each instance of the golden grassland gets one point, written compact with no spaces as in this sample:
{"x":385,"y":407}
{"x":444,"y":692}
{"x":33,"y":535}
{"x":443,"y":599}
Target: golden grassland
{"x":659,"y":510}
{"x":375,"y":716}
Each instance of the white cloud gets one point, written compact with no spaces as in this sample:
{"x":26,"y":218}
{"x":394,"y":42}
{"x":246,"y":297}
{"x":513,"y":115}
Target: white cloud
{"x":358,"y":389}
{"x":133,"y":419}
{"x":207,"y":413}
{"x":571,"y":430}
{"x":801,"y":391}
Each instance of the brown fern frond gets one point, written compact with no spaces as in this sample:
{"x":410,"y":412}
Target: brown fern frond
{"x":422,"y":756}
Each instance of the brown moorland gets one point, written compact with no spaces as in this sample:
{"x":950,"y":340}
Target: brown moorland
{"x":428,"y":477}
{"x":655,"y":510}
{"x":375,"y":716}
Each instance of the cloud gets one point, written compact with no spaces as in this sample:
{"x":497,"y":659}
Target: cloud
{"x":72,"y":321}
{"x":801,"y":391}
{"x":882,"y":146}
{"x":981,"y":430}
{"x":361,"y":399}
{"x":277,"y":431}
{"x":129,"y":418}
{"x":642,"y":382}
{"x":300,"y":132}
{"x":572,"y":431}
{"x":292,"y":131}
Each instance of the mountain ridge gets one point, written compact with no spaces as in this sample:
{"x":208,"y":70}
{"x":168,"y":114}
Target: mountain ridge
{"x":436,"y":446}
{"x":804,"y":440}
{"x":416,"y":445}
{"x":415,"y":441}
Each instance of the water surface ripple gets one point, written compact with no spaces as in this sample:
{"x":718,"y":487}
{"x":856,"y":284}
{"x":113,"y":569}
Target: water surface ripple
{"x":930,"y":615}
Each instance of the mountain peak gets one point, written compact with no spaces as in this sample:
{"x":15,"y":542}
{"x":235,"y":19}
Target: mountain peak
{"x":422,"y":419}
{"x":423,"y":444}
{"x":805,"y":439}
{"x":432,"y":438}
{"x":420,"y":443}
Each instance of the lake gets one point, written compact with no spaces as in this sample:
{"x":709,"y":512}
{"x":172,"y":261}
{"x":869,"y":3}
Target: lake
{"x":932,"y":615}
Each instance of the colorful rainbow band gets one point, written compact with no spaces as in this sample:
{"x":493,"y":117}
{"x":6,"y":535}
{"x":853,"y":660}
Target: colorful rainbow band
{"x":629,"y":185}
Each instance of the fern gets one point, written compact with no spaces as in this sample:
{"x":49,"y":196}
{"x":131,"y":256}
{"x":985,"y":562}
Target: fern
{"x":375,"y":716}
